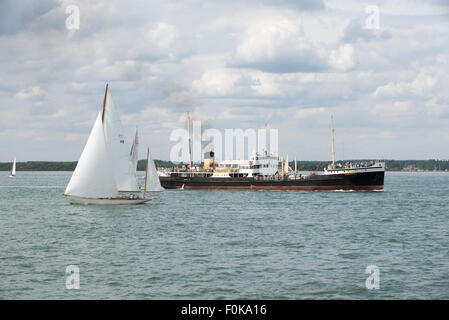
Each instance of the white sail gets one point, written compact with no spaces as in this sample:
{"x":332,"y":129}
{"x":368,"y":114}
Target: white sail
{"x":154,"y":184}
{"x":13,"y":169}
{"x":135,"y":151}
{"x":124,"y":173}
{"x":93,"y":176}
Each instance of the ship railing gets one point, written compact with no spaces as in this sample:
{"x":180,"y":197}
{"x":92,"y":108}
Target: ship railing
{"x":354,"y":165}
{"x":185,"y":173}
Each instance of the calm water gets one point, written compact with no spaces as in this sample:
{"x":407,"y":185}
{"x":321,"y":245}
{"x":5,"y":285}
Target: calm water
{"x":227,"y":244}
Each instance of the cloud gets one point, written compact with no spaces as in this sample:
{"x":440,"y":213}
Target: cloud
{"x":343,"y":58}
{"x":236,"y":64}
{"x":421,"y":85}
{"x":280,"y":46}
{"x":32,"y":93}
{"x":17,"y":16}
{"x":179,"y":97}
{"x":296,"y":4}
{"x":158,"y":41}
{"x":434,"y":107}
{"x":306,"y":113}
{"x":230,"y":114}
{"x":217,"y":82}
{"x":355,"y":32}
{"x":396,"y":108}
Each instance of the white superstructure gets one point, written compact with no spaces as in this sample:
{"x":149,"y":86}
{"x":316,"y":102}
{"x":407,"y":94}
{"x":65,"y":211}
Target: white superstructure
{"x":258,"y":165}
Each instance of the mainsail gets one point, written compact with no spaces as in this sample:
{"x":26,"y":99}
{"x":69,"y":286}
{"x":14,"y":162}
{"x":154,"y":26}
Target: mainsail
{"x":154,"y":184}
{"x":125,"y":175}
{"x":94,"y":174}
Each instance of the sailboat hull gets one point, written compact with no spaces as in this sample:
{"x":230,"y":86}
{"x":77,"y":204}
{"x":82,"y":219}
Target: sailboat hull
{"x":12,"y":176}
{"x":106,"y":201}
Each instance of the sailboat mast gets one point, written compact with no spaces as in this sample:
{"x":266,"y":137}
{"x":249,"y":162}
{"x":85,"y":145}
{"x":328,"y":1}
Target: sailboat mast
{"x":333,"y":144}
{"x":104,"y":103}
{"x":146,"y":172}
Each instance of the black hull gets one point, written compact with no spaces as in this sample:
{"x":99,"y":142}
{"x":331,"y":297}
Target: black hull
{"x":353,"y":181}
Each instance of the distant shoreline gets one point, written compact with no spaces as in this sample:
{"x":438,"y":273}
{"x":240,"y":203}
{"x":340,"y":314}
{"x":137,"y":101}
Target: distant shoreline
{"x":430,"y":165}
{"x":404,"y":171}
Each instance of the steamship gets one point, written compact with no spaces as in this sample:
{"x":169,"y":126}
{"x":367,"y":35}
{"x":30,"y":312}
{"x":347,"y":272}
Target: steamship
{"x":262,"y":172}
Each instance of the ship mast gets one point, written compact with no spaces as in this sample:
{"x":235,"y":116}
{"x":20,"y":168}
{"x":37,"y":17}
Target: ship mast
{"x":296,"y":167}
{"x":190,"y":142}
{"x":333,"y":144}
{"x":282,"y":166}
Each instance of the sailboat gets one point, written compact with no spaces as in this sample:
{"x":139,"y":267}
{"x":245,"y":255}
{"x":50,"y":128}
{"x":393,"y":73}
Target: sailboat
{"x":152,"y":182}
{"x":13,"y":169}
{"x":105,"y":168}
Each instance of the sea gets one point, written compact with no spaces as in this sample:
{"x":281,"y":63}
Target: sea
{"x":201,"y":244}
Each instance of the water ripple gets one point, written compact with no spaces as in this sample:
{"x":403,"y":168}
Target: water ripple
{"x":227,"y":244}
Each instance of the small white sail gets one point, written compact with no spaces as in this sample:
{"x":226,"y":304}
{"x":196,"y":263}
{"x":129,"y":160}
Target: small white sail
{"x":124,"y":172}
{"x":13,"y":169}
{"x":94,"y":176}
{"x":154,"y":184}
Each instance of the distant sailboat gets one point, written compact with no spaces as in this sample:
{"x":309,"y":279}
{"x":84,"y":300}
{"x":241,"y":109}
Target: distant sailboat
{"x":152,"y":182}
{"x":13,"y":169}
{"x":104,"y":169}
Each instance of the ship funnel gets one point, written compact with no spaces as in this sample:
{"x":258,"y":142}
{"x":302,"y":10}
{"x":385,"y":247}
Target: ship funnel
{"x":209,"y":160}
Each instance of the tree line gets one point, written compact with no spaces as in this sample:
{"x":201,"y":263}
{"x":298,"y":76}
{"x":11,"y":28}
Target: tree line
{"x":393,"y":165}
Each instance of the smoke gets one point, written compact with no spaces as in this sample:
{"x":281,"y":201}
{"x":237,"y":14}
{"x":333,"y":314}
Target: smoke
{"x":198,"y":115}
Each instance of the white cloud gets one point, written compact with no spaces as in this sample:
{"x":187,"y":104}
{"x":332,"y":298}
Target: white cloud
{"x":34,"y":92}
{"x":435,"y":108}
{"x":217,"y":82}
{"x":421,"y":85}
{"x":398,"y":110}
{"x":281,"y":46}
{"x":282,"y":62}
{"x":343,"y":58}
{"x":306,"y":113}
{"x":179,"y":97}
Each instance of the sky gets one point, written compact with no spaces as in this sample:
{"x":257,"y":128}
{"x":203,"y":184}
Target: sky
{"x":232,"y":64}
